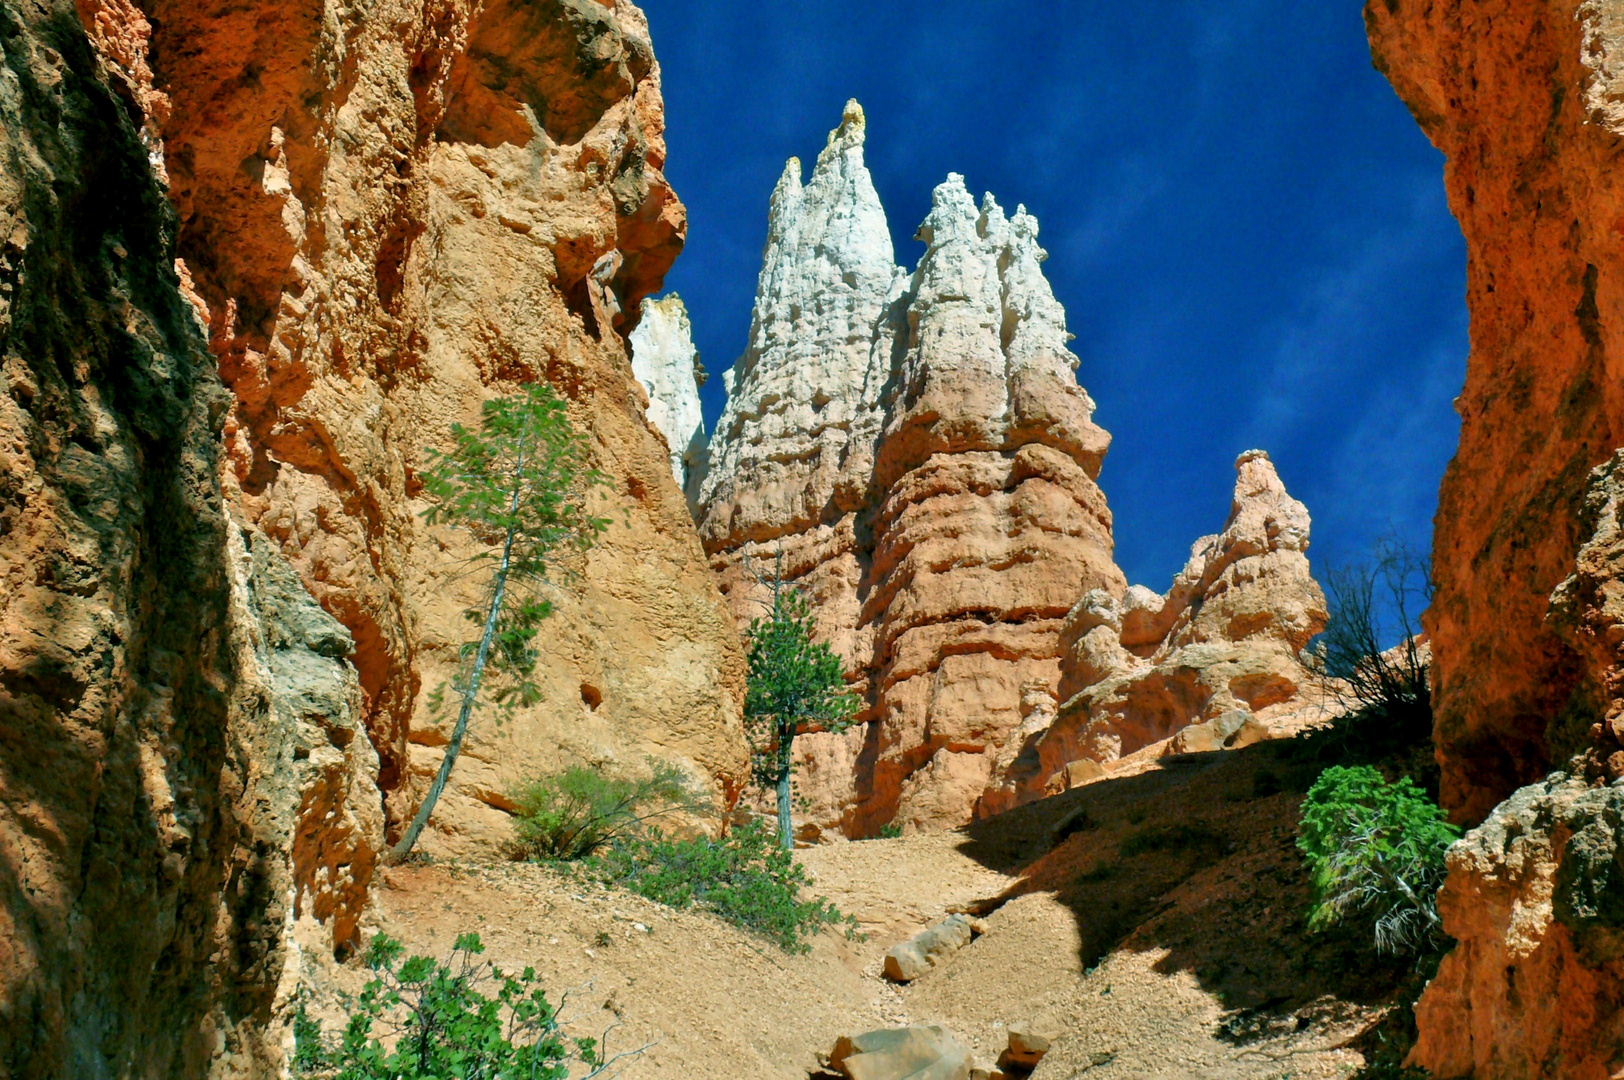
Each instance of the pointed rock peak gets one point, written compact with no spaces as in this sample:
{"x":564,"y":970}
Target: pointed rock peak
{"x":1023,"y":229}
{"x":845,"y":145}
{"x":787,"y":192}
{"x":790,"y":178}
{"x":667,"y":364}
{"x":826,"y":273}
{"x":1262,"y":513}
{"x":993,"y":224}
{"x":853,"y":126}
{"x":842,"y":207}
{"x":1255,"y":475}
{"x":952,"y":213}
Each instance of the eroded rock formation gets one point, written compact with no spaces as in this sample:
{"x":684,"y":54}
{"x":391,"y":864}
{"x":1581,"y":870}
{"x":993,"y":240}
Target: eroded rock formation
{"x":667,"y":365}
{"x":915,"y":453}
{"x":1210,"y":664}
{"x":185,"y":785}
{"x":1535,"y":986}
{"x":1534,"y":894}
{"x":399,"y":215}
{"x":220,"y":609}
{"x":1524,"y":102}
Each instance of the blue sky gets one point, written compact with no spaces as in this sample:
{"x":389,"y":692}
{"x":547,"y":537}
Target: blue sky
{"x":1248,"y":231}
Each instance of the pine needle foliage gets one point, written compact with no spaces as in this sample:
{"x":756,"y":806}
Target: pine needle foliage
{"x":520,"y":485}
{"x":1376,"y":851}
{"x":795,"y":686}
{"x":420,"y":1018}
{"x":580,"y":810}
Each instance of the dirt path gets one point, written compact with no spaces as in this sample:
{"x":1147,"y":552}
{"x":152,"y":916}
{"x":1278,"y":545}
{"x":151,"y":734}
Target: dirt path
{"x":1160,"y":927}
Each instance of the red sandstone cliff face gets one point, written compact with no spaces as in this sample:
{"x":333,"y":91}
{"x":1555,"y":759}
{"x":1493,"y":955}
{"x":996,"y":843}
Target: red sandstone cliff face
{"x":1523,"y":100}
{"x":183,"y":776}
{"x":384,"y":219}
{"x":388,"y":220}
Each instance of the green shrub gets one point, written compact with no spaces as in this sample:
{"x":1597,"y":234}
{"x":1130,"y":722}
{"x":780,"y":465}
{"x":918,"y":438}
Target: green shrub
{"x":890,"y":831}
{"x":573,"y":814}
{"x":1376,"y":850}
{"x":422,"y":1018}
{"x":745,"y":878}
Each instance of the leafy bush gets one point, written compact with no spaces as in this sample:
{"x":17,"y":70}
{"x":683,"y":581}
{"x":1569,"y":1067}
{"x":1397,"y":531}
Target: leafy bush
{"x":573,"y":814}
{"x":1376,"y":850}
{"x":439,"y":1023}
{"x":746,"y":878}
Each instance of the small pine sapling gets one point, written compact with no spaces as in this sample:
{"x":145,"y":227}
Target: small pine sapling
{"x":519,"y":485}
{"x":795,"y":687}
{"x":1376,"y":850}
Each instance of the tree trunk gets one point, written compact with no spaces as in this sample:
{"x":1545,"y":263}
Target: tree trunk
{"x":784,"y":833}
{"x":404,"y":848}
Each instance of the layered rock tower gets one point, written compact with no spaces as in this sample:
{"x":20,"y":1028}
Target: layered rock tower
{"x":1215,"y":661}
{"x":913,"y":451}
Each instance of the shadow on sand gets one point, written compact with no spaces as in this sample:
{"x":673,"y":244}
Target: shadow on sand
{"x":1195,"y":857}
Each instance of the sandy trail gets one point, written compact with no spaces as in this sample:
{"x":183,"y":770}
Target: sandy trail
{"x":1161,"y":930}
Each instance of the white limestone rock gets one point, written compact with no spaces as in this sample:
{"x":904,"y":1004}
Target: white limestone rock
{"x":667,"y":364}
{"x":800,"y":386}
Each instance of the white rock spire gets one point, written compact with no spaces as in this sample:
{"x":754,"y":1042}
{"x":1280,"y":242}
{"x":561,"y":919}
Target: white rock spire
{"x":666,"y":363}
{"x":795,"y":393}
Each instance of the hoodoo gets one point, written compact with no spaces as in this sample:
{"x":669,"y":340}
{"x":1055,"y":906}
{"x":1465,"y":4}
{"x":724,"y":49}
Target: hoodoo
{"x":914,"y":452}
{"x":1215,"y":661}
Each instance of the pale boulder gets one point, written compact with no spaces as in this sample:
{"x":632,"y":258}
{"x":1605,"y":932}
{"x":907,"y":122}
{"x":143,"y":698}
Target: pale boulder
{"x":911,"y":1053}
{"x":929,"y":948}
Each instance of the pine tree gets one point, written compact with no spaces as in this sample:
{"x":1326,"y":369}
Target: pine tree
{"x":796,"y":686}
{"x":519,"y":485}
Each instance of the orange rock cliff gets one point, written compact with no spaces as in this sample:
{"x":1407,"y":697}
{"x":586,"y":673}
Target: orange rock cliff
{"x":1523,"y":100}
{"x":254,"y":261}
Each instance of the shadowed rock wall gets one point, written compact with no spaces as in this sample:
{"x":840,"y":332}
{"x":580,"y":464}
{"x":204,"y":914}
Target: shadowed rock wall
{"x":184,"y":784}
{"x":1523,"y":99}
